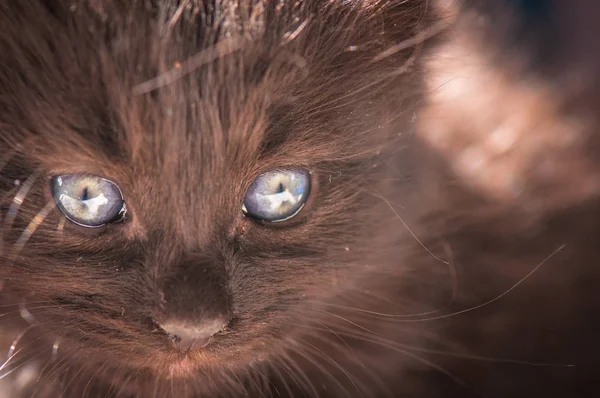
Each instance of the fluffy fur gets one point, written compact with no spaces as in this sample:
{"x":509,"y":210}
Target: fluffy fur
{"x":396,"y":278}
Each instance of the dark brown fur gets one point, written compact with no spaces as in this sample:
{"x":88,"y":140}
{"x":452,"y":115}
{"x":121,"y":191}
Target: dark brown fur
{"x":364,"y":293}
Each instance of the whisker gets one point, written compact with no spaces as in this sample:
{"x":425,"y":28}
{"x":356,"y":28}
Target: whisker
{"x":290,"y":36}
{"x":265,"y":378}
{"x":421,"y":37}
{"x":319,"y":366}
{"x":10,"y":358}
{"x":16,"y":341}
{"x":280,"y":364}
{"x":348,"y":353}
{"x":387,"y":343}
{"x":41,"y":337}
{"x":26,"y":315}
{"x":20,"y":302}
{"x":72,"y":378}
{"x":61,"y":224}
{"x":410,"y":231}
{"x":33,"y":225}
{"x":336,"y":335}
{"x":16,"y":204}
{"x":289,"y":364}
{"x":177,"y":14}
{"x":61,"y":366}
{"x":88,"y":384}
{"x":21,"y":365}
{"x":434,"y":366}
{"x":349,"y":321}
{"x":238,"y":381}
{"x":219,"y":50}
{"x":396,"y":316}
{"x":55,"y":349}
{"x":57,"y":369}
{"x":155,"y":389}
{"x":42,"y":376}
{"x":274,"y":368}
{"x":513,"y":287}
{"x":20,"y":197}
{"x":379,"y":314}
{"x":339,"y":101}
{"x":258,"y":389}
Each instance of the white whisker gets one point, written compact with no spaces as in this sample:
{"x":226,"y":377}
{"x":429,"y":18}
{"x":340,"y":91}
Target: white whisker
{"x":20,"y":197}
{"x":422,"y":36}
{"x":219,"y":50}
{"x":15,"y":342}
{"x":33,"y":225}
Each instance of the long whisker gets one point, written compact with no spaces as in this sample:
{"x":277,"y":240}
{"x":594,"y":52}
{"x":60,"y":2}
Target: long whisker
{"x":72,"y":378}
{"x":26,"y":315}
{"x":258,"y":388}
{"x":23,"y":314}
{"x":28,"y":303}
{"x":16,"y":204}
{"x":319,"y":366}
{"x":410,"y":231}
{"x":421,"y":37}
{"x":513,"y":287}
{"x":33,"y":225}
{"x":289,"y":363}
{"x":60,"y":367}
{"x":177,"y":15}
{"x":238,"y":381}
{"x":476,"y":307}
{"x":345,"y":350}
{"x":219,"y":50}
{"x":337,"y":365}
{"x":9,"y":359}
{"x":88,"y":384}
{"x":20,"y":197}
{"x":380,"y":340}
{"x":19,"y":366}
{"x":16,"y":341}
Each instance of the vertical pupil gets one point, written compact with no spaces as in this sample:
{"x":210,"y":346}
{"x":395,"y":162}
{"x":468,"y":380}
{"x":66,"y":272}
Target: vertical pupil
{"x":281,"y":188}
{"x":84,"y":195}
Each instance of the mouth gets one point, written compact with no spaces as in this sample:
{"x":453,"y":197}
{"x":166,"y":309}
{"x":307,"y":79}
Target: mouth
{"x":117,"y":344}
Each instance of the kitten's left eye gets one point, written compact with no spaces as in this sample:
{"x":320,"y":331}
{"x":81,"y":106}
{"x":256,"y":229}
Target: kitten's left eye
{"x":88,"y":201}
{"x":277,"y":195}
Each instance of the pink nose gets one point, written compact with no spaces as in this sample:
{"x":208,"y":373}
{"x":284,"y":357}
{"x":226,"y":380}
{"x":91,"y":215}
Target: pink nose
{"x":192,"y":336}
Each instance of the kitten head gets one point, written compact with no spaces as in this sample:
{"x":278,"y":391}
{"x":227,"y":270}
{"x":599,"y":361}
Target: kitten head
{"x":188,"y":184}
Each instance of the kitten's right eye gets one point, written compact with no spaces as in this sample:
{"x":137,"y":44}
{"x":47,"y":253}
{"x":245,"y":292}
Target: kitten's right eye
{"x":277,"y":195}
{"x":88,"y":201}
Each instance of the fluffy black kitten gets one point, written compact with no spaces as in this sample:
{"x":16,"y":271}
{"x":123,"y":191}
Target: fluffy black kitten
{"x":228,"y":198}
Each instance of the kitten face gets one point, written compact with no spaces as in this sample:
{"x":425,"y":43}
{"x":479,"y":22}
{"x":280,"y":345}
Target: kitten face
{"x":185,"y":282}
{"x":214,"y":199}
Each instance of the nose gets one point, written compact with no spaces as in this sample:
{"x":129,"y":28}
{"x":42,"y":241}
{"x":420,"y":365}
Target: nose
{"x":192,"y":336}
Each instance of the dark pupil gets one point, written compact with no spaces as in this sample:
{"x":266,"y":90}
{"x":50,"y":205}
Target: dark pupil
{"x":84,"y":196}
{"x":281,"y":188}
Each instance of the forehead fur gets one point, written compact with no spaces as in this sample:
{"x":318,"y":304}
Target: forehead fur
{"x":166,"y":96}
{"x":188,"y":68}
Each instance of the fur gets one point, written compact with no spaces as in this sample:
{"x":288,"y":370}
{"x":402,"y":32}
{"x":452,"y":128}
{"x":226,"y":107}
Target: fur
{"x":393,"y":280}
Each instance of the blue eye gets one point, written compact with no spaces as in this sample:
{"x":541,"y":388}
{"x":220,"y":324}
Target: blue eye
{"x":277,"y":195}
{"x":88,"y":201}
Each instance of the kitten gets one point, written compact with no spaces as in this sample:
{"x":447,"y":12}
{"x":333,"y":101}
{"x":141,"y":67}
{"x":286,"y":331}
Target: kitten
{"x":257,"y":198}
